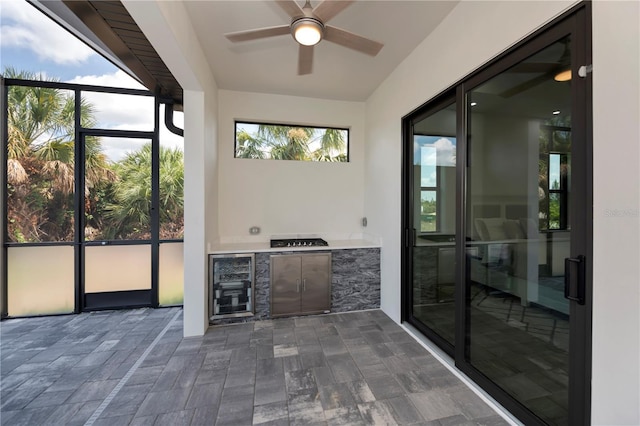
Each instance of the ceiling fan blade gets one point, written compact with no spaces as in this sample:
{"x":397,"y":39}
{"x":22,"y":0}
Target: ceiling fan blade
{"x":330,"y":8}
{"x":352,"y":41}
{"x":258,"y":33}
{"x":529,"y":84}
{"x":291,"y":7}
{"x":534,"y":67}
{"x":305,"y":60}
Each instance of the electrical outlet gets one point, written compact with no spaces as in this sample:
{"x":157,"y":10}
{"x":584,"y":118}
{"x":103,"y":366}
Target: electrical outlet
{"x":254,"y":230}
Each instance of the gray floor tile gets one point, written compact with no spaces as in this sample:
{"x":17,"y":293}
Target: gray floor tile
{"x":269,"y":367}
{"x":385,"y":387}
{"x":27,"y":417}
{"x":163,"y":402}
{"x":127,"y":401}
{"x":78,"y":413}
{"x":356,"y":368}
{"x":268,"y":413}
{"x":347,"y":416}
{"x":360,"y":391}
{"x":335,"y":396}
{"x":93,"y":391}
{"x":299,"y":379}
{"x":270,"y":389}
{"x":124,"y":419}
{"x":204,"y":396}
{"x":50,"y":399}
{"x":323,"y":376}
{"x":306,"y":413}
{"x":434,"y":405}
{"x":403,"y":411}
{"x":174,"y":418}
{"x":376,"y":413}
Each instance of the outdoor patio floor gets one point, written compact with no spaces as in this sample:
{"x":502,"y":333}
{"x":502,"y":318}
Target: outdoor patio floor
{"x":133,"y":367}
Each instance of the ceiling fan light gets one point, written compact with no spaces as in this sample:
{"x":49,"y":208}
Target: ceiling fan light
{"x":563,"y":75}
{"x":307,"y":31}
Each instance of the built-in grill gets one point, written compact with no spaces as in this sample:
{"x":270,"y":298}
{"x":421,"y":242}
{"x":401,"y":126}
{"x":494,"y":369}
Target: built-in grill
{"x":298,"y":242}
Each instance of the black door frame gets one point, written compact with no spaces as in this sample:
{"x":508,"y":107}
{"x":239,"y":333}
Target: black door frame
{"x":117,"y":299}
{"x":577,"y":23}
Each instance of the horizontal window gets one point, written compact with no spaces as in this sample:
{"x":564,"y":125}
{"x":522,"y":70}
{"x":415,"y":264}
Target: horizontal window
{"x":288,"y":142}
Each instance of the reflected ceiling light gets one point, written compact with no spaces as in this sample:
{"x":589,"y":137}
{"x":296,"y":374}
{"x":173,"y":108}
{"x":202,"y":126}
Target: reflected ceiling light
{"x":474,"y":103}
{"x":556,"y":112}
{"x":563,"y":75}
{"x":307,"y":31}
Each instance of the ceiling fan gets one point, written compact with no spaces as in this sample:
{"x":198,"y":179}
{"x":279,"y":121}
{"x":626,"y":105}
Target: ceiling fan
{"x":308,"y":27}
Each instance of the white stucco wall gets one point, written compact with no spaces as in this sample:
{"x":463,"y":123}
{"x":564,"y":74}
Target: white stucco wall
{"x":616,"y":213}
{"x":169,"y":30}
{"x":289,"y":197}
{"x":449,"y":54}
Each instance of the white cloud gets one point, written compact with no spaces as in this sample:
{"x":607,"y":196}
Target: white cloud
{"x":126,"y":112}
{"x":118,"y":79}
{"x":34,"y":31}
{"x":29,"y":29}
{"x":446,"y":152}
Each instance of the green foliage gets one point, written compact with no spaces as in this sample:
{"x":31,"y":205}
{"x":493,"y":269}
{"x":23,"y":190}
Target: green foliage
{"x":127,"y":213}
{"x":292,"y":143}
{"x":41,"y":174}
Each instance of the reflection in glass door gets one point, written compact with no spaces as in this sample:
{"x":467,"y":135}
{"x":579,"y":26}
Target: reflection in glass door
{"x":117,"y":222}
{"x":433,"y":218}
{"x":518,"y":197}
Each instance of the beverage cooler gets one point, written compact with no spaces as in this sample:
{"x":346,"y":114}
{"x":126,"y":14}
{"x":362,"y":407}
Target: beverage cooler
{"x":231,"y":278}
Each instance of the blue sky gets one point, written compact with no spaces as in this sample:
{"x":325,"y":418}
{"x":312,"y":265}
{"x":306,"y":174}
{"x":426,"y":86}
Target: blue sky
{"x":31,"y":41}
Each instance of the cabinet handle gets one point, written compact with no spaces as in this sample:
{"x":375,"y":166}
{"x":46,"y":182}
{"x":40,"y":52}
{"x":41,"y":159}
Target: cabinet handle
{"x":304,"y":284}
{"x":298,"y":286}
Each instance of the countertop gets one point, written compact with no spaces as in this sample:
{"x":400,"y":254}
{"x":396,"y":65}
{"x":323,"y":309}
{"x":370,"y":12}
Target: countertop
{"x":256,"y":247}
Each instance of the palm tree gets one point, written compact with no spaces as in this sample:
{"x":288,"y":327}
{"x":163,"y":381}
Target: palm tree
{"x":128,"y":214}
{"x":248,"y":146}
{"x":292,"y":143}
{"x":40,"y":161}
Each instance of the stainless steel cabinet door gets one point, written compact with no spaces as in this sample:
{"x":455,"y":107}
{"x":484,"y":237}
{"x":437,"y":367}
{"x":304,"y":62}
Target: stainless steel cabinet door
{"x":285,"y":285}
{"x":316,"y":283}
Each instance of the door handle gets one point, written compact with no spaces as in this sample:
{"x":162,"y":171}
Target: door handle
{"x":574,"y":278}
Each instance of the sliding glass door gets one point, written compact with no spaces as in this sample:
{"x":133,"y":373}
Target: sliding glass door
{"x":432,"y":173}
{"x":506,"y":291}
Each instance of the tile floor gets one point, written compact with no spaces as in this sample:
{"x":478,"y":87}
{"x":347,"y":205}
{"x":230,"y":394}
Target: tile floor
{"x":133,"y":367}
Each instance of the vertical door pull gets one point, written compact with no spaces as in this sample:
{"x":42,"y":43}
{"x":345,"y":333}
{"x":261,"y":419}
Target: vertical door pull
{"x":574,"y":278}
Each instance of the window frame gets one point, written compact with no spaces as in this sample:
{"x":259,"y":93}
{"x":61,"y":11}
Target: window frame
{"x":563,"y":189}
{"x":347,"y":141}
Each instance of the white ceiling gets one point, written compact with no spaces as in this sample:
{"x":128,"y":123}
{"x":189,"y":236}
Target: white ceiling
{"x":270,"y":65}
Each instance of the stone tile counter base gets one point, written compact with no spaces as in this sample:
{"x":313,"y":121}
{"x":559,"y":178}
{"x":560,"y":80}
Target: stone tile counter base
{"x":355,"y":284}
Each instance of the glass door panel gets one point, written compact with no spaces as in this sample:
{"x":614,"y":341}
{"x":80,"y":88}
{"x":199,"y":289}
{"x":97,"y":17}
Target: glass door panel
{"x":117,"y":189}
{"x":171,"y":186}
{"x":434,"y":222}
{"x":133,"y":270}
{"x":518,"y":196}
{"x":117,"y":222}
{"x":40,"y":201}
{"x":171,"y":215}
{"x":40,"y":280}
{"x":171,"y":274}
